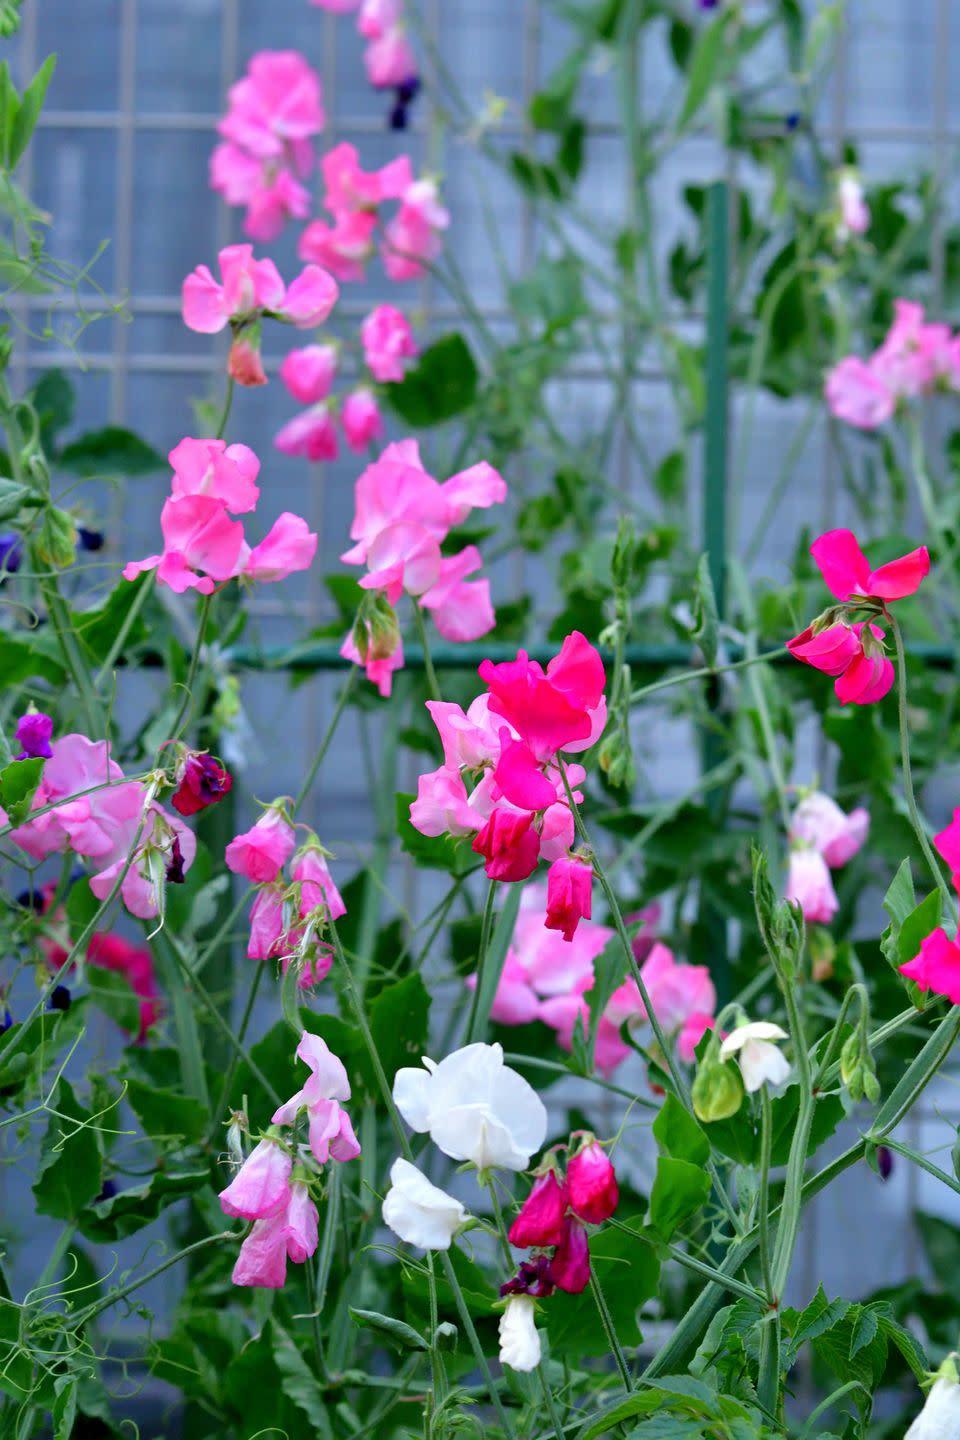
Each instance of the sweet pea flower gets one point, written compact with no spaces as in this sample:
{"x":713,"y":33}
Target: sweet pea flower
{"x":389,"y":60}
{"x":267,"y":933}
{"x":569,"y":1266}
{"x":852,"y":653}
{"x":34,"y":732}
{"x":261,"y":1187}
{"x":251,"y":288}
{"x":809,"y":885}
{"x":854,"y":210}
{"x":914,"y":354}
{"x":276,"y":104}
{"x":819,"y":822}
{"x":759,"y":1058}
{"x":592,"y":1183}
{"x":847,"y":574}
{"x":342,"y":248}
{"x":541,"y":1217}
{"x":292,"y":1234}
{"x":387,"y":341}
{"x":856,"y":394}
{"x":259,"y":854}
{"x":937,"y":967}
{"x":474,"y":1108}
{"x":217,"y":470}
{"x":940,"y":1416}
{"x":201,"y":782}
{"x":519,"y":1338}
{"x":378,"y":16}
{"x":317,"y":889}
{"x":362,"y":420}
{"x":569,"y":884}
{"x":348,"y":187}
{"x":380,"y":668}
{"x":948,"y":845}
{"x":419,"y":1212}
{"x":414,"y":234}
{"x":312,"y":434}
{"x":330,"y":1132}
{"x":308,"y":372}
{"x":337,"y":7}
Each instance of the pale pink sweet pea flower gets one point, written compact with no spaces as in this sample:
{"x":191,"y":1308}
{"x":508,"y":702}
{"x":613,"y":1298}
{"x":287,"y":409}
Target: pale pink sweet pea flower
{"x":809,"y":885}
{"x":261,"y":1187}
{"x":211,"y":467}
{"x":379,"y":669}
{"x":854,"y":210}
{"x":441,"y":806}
{"x":309,"y":298}
{"x":290,"y":1234}
{"x":277,"y":199}
{"x":342,"y":248}
{"x":245,"y":363}
{"x":276,"y":105}
{"x":288,"y":547}
{"x":909,"y":360}
{"x":266,"y":924}
{"x":819,"y":822}
{"x":348,"y":187}
{"x":377,"y":17}
{"x":311,"y":871}
{"x":469,"y":739}
{"x":414,"y":234}
{"x":462,"y":609}
{"x":308,"y":372}
{"x":259,"y":853}
{"x":361,"y":419}
{"x":515,"y":1001}
{"x":84,"y":824}
{"x":387,"y":341}
{"x":390,"y":60}
{"x":312,"y":434}
{"x":856,"y":394}
{"x":331,"y":1133}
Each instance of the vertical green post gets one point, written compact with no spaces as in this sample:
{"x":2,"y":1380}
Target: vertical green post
{"x":712,"y":923}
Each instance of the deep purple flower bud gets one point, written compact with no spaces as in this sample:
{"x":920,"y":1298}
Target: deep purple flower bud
{"x":34,"y":732}
{"x":89,"y":539}
{"x":107,"y":1191}
{"x":6,"y":1020}
{"x":792,"y":121}
{"x":31,"y":900}
{"x":405,"y":96}
{"x":11,"y":553}
{"x":203,"y":782}
{"x":60,"y":998}
{"x":884,"y":1162}
{"x":175,"y":871}
{"x":532,"y":1278}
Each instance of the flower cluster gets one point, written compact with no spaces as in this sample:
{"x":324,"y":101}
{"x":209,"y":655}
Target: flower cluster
{"x":288,"y":918}
{"x":822,"y":838}
{"x":272,"y":1187}
{"x":114,"y":823}
{"x":545,"y":978}
{"x":354,"y":197}
{"x":552,"y":1224}
{"x":203,"y":545}
{"x":402,"y":517}
{"x":273,"y":113}
{"x":852,"y":650}
{"x":509,"y":744}
{"x":915,"y":358}
{"x":937,"y":967}
{"x":309,"y":373}
{"x":248,"y":291}
{"x":388,"y":58}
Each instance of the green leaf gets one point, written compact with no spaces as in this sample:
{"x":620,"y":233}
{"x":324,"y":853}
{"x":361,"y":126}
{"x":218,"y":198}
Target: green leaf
{"x":629,"y":1272}
{"x":18,"y":782}
{"x":164,"y":1114}
{"x":129,"y":1211}
{"x":98,"y":627}
{"x":12,"y":496}
{"x":20,"y":661}
{"x":396,"y":1332}
{"x":551,"y":294}
{"x":111,"y":451}
{"x":442,"y":385}
{"x":399,"y":1019}
{"x":298,"y":1381}
{"x":917,"y":926}
{"x":69,"y":1173}
{"x":29,"y":111}
{"x":905,"y":1341}
{"x":705,"y":68}
{"x":680,"y":1189}
{"x":16,"y":1369}
{"x":64,"y":1406}
{"x":900,"y":898}
{"x":503,"y":929}
{"x":678,"y":1134}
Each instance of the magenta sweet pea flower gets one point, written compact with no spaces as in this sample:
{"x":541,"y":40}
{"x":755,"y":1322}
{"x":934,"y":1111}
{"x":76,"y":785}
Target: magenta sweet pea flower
{"x":308,"y":372}
{"x":847,"y":574}
{"x":387,"y":341}
{"x":34,"y":732}
{"x":592,"y":1183}
{"x":569,"y":886}
{"x":202,"y":781}
{"x":362,"y":420}
{"x":937,"y":967}
{"x":948,"y":845}
{"x":541,"y":1217}
{"x":260,"y":853}
{"x":569,"y":1268}
{"x":509,"y":844}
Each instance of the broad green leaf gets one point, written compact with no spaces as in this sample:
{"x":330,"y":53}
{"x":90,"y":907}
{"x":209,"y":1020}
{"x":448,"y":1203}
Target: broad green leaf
{"x":678,"y":1134}
{"x":396,"y":1332}
{"x":705,"y":67}
{"x":64,"y":1406}
{"x":165,"y":1114}
{"x":298,"y":1382}
{"x":18,"y":782}
{"x":551,"y":294}
{"x":443,"y":384}
{"x":20,"y":661}
{"x":13,"y":495}
{"x":680,"y":1189}
{"x":112,"y":993}
{"x":399,"y":1019}
{"x":110,"y":451}
{"x":29,"y":111}
{"x":81,"y":905}
{"x":900,"y":898}
{"x":130,"y":1210}
{"x":905,"y":1341}
{"x":917,"y":926}
{"x":69,"y":1172}
{"x":54,"y":400}
{"x":629,"y":1272}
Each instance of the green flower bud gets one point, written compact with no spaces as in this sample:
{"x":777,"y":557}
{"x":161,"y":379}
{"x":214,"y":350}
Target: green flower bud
{"x":717,"y":1091}
{"x":56,"y":542}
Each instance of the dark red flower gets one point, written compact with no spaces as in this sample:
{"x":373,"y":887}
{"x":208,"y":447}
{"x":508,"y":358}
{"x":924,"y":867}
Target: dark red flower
{"x":203,"y":782}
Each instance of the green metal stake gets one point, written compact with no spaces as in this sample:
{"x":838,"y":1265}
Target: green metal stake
{"x":712,"y":923}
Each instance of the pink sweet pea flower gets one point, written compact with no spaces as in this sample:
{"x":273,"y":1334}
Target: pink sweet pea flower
{"x":854,"y":210}
{"x":342,"y":248}
{"x":350,"y":188}
{"x":198,"y":536}
{"x":310,"y":298}
{"x":288,"y":547}
{"x":847,"y":574}
{"x":840,"y":650}
{"x":379,"y":668}
{"x":592,"y":1182}
{"x":937,"y":967}
{"x":809,"y":885}
{"x":414,"y":234}
{"x":441,"y":806}
{"x":317,"y":889}
{"x":312,"y":434}
{"x":330,"y":1130}
{"x":691,"y":1033}
{"x":387,"y":341}
{"x":290,"y":1234}
{"x":362,"y":420}
{"x":277,"y":102}
{"x":857,"y":395}
{"x":509,"y":845}
{"x":819,"y":822}
{"x":390,"y":59}
{"x":260,"y":853}
{"x":245,"y":364}
{"x":378,"y":16}
{"x":515,"y":1002}
{"x":337,"y":7}
{"x":308,"y":372}
{"x":331,"y":1133}
{"x":462,"y":609}
{"x":569,"y":885}
{"x":947,"y":843}
{"x":570,"y":1267}
{"x":911,"y":357}
{"x":262,"y":1185}
{"x":541,"y":1217}
{"x":162,"y":833}
{"x":211,"y":467}
{"x":266,"y":924}
{"x":248,"y":286}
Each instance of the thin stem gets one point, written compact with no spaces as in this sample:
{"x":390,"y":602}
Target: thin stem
{"x":486,"y":930}
{"x":466,"y":1320}
{"x":606,"y":1320}
{"x":763,"y":1218}
{"x":705,"y":671}
{"x":908,"y":790}
{"x":116,"y":649}
{"x":258,"y":973}
{"x":916,"y":1158}
{"x":432,"y":683}
{"x":179,"y":980}
{"x":789,"y":1223}
{"x":324,"y":746}
{"x":187,"y":702}
{"x":115,"y":1296}
{"x":502,"y":1235}
{"x":227,"y":405}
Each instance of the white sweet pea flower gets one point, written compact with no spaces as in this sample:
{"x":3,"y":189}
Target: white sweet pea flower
{"x":759,"y":1059}
{"x":474,"y":1107}
{"x":940,"y":1417}
{"x":519,"y":1337}
{"x":419,"y":1212}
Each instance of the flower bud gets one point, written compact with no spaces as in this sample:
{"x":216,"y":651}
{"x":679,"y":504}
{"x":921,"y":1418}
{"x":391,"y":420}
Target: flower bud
{"x":56,"y":542}
{"x":592,"y":1182}
{"x":570,"y":1267}
{"x":202,"y":781}
{"x":717,"y":1091}
{"x":940,"y":1417}
{"x":540,"y":1221}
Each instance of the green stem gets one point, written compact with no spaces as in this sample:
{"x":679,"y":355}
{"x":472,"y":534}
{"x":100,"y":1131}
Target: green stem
{"x":917,"y":1076}
{"x":324,"y":746}
{"x":606,"y":1320}
{"x":486,"y":930}
{"x":227,"y":405}
{"x":706,"y":671}
{"x":258,"y":973}
{"x":179,"y":981}
{"x":858,"y":992}
{"x":789,"y":1223}
{"x":114,"y":1297}
{"x":466,"y":1320}
{"x":116,"y":649}
{"x":915,"y":818}
{"x":187,"y":702}
{"x":916,"y":1158}
{"x":763,"y":1219}
{"x":432,"y":683}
